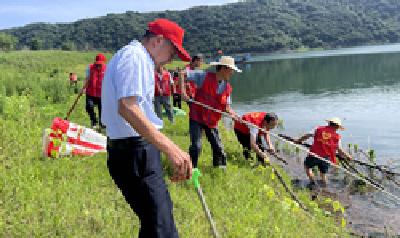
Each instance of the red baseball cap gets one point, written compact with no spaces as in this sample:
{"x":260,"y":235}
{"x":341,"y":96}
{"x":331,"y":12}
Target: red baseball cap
{"x":172,"y":32}
{"x":100,"y":58}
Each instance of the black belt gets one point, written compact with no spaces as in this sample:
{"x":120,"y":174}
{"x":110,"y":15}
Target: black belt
{"x":123,"y":143}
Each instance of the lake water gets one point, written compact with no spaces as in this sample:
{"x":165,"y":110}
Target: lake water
{"x":360,"y":85}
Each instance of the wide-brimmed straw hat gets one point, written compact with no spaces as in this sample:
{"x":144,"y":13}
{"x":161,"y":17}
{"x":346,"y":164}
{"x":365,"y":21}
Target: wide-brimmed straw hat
{"x":227,"y":61}
{"x":336,"y":121}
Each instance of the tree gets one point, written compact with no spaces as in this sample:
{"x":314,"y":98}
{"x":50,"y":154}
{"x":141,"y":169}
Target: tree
{"x":7,"y":42}
{"x":36,"y":44}
{"x":69,"y":45}
{"x":244,"y":26}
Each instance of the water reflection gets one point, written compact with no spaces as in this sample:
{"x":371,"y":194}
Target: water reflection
{"x":315,"y":75}
{"x":364,"y":90}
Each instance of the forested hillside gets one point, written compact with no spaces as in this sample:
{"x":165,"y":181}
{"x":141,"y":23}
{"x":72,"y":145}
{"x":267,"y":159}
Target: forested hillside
{"x":246,"y":26}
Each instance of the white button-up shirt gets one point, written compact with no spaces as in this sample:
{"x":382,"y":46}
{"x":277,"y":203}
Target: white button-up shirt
{"x":129,"y":73}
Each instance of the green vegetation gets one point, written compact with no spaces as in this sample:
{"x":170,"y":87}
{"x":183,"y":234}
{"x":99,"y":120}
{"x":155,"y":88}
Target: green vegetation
{"x":75,"y":197}
{"x":246,"y":26}
{"x":7,"y":42}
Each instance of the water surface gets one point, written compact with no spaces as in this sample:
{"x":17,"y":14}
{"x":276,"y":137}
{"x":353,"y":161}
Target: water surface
{"x":360,"y":85}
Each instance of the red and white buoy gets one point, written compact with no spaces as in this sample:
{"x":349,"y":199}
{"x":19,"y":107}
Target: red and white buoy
{"x":65,"y":138}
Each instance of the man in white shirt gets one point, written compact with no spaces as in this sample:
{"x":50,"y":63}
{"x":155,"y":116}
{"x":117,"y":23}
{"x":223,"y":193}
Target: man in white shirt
{"x":134,"y":141}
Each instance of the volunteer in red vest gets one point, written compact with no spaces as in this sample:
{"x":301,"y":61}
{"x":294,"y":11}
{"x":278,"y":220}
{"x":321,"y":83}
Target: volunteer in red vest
{"x":326,"y":143}
{"x":214,"y":90}
{"x":162,"y":93}
{"x":195,"y":63}
{"x":94,"y":79}
{"x":177,"y":93}
{"x":251,"y":138}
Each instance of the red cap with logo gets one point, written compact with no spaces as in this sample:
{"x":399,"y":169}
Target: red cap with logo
{"x":172,"y":32}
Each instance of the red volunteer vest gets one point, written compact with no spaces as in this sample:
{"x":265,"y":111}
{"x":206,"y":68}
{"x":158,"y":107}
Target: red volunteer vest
{"x":95,"y":79}
{"x":163,"y":83}
{"x":190,"y":86}
{"x":207,"y":94}
{"x":326,"y":142}
{"x":191,"y":89}
{"x":177,"y":88}
{"x":255,"y":118}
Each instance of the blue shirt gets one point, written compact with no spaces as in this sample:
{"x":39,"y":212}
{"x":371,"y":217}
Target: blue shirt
{"x":129,"y":73}
{"x":198,"y":77}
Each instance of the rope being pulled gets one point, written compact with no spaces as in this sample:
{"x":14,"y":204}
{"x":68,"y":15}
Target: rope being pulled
{"x":351,"y":167}
{"x":380,"y":188}
{"x":381,"y":168}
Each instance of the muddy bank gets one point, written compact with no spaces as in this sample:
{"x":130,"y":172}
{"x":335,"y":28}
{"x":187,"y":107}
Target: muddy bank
{"x":369,"y":213}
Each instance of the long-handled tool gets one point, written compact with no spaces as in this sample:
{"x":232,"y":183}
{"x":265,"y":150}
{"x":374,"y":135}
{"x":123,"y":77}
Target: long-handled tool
{"x":76,"y":101}
{"x":372,"y":166}
{"x":280,"y":158}
{"x":195,"y":177}
{"x":397,"y":198}
{"x":280,"y":178}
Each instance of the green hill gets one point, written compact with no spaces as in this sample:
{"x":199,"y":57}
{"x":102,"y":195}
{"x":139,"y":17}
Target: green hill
{"x":76,"y":197}
{"x":246,"y":26}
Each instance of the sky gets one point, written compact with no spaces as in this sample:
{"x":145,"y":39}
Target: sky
{"x":14,"y":13}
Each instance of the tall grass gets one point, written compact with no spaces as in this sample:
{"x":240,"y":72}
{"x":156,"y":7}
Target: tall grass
{"x":75,"y":197}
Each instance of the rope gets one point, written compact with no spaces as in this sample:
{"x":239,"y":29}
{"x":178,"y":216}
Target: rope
{"x":350,"y":167}
{"x":294,"y":197}
{"x":396,"y":198}
{"x":384,"y":171}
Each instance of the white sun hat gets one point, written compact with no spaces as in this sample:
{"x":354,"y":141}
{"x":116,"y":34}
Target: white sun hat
{"x":336,"y":121}
{"x":227,"y":61}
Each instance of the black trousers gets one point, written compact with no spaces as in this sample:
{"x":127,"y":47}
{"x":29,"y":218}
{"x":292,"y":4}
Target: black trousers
{"x":195,"y":130}
{"x":177,"y":100}
{"x":244,"y":140}
{"x":91,"y":102}
{"x":312,"y":161}
{"x":136,"y":169}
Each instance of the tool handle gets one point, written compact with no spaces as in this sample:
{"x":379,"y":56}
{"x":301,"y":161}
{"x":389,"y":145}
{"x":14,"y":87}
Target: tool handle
{"x":195,"y":177}
{"x":73,"y":106}
{"x":76,"y":100}
{"x":208,"y":213}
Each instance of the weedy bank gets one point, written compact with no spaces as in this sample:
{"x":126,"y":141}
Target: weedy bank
{"x":75,"y":197}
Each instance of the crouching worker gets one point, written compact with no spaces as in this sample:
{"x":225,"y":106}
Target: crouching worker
{"x":251,"y":138}
{"x":326,"y":143}
{"x":213,"y":90}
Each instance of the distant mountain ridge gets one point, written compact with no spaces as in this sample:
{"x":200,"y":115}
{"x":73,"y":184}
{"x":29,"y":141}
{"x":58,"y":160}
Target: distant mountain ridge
{"x":246,"y":26}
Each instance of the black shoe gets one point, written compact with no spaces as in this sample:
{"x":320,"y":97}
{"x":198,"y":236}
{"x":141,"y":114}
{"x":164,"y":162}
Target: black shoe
{"x":312,"y":185}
